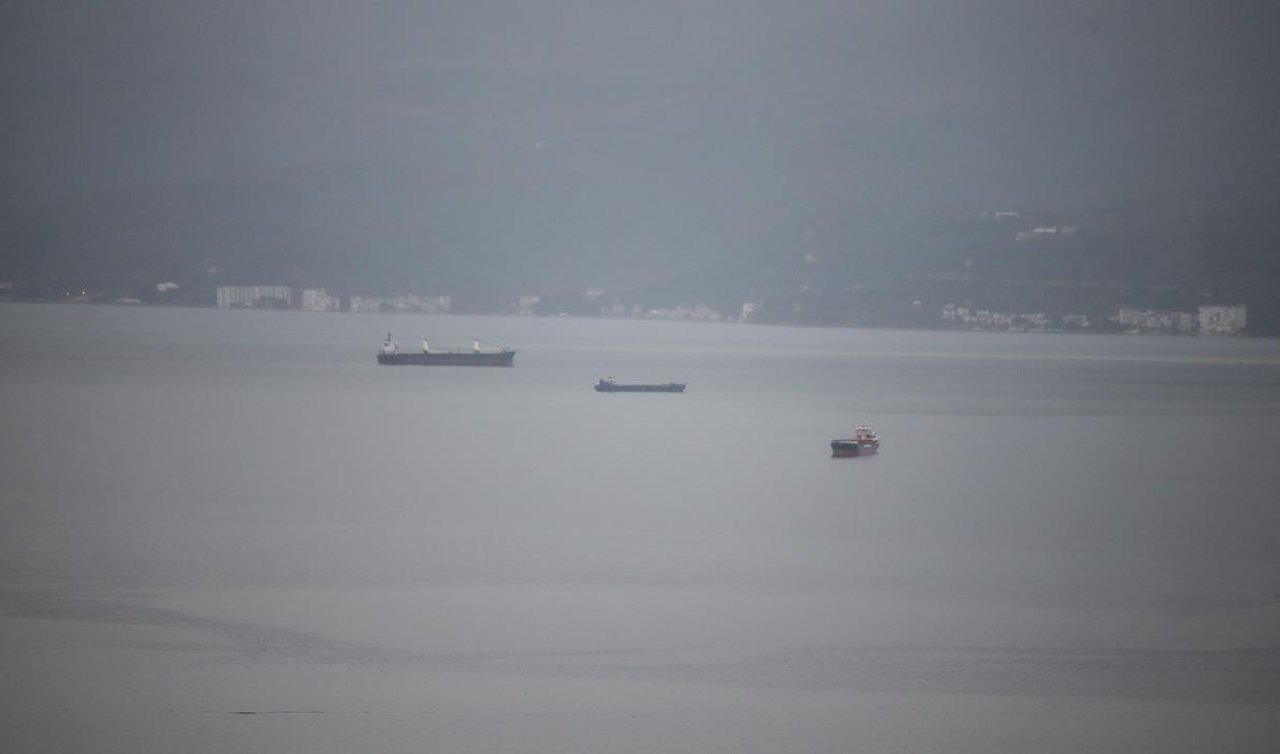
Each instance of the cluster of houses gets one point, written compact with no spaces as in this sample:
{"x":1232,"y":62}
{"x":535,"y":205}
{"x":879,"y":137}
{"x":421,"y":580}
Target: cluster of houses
{"x":1157,"y":321}
{"x":255,"y":297}
{"x":1223,"y":320}
{"x":985,"y":319}
{"x":405,"y":303}
{"x":602,"y":304}
{"x":696,"y":313}
{"x":1209,"y":320}
{"x":320,"y":300}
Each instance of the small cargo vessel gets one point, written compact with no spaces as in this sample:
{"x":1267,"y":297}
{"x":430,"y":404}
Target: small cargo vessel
{"x":610,"y":385}
{"x":391,"y":354}
{"x":864,"y":442}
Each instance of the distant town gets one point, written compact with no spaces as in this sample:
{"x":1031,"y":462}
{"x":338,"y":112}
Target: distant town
{"x":1147,"y":267}
{"x":1209,"y":319}
{"x":799,"y":309}
{"x":319,"y":300}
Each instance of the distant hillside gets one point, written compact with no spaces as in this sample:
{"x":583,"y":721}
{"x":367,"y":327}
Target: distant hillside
{"x":416,"y":228}
{"x":829,"y":160}
{"x":1175,"y":250}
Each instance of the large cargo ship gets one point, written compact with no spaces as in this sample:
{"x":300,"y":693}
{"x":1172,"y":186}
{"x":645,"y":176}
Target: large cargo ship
{"x":610,"y":385}
{"x":390,"y":354}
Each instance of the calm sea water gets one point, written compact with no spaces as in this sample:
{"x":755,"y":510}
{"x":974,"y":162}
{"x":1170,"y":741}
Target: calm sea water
{"x":233,"y":531}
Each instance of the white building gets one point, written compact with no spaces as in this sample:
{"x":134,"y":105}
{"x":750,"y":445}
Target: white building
{"x":527,"y":306}
{"x":319,"y":300}
{"x":249,"y":296}
{"x":1223,"y":320}
{"x":401,"y":304}
{"x":1157,"y":320}
{"x":698,"y":313}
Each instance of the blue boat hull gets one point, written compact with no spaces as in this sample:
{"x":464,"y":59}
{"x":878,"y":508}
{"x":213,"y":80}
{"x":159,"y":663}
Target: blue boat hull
{"x":669,"y":387}
{"x":851,"y":448}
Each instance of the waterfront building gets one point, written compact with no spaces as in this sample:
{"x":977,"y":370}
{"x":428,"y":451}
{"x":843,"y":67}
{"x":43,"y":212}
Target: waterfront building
{"x":254,"y":296}
{"x":1223,"y":320}
{"x":319,"y":300}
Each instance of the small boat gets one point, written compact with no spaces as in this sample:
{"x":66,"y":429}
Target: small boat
{"x":610,"y":385}
{"x":864,"y":442}
{"x":391,"y":355}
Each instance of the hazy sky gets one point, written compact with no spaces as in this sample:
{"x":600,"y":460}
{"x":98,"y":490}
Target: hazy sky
{"x":922,"y":99}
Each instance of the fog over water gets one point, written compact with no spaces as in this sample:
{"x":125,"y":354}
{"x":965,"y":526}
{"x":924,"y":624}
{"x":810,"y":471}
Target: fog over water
{"x":233,"y":531}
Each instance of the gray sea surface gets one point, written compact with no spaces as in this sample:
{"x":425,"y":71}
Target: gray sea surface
{"x":232,"y":531}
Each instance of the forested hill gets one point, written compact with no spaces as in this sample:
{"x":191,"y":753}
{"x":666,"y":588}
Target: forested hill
{"x":372,"y":229}
{"x":720,"y":151}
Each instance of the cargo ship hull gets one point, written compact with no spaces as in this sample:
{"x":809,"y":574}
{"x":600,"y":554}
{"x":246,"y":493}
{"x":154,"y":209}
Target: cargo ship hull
{"x":850,"y":448}
{"x":670,"y":387}
{"x":449,"y":359}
